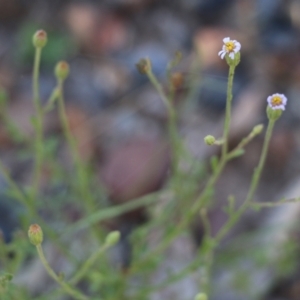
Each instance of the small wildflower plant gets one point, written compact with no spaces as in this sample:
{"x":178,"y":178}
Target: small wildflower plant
{"x":94,"y":276}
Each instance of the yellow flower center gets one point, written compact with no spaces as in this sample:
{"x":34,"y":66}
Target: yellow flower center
{"x":230,"y":46}
{"x":276,"y":101}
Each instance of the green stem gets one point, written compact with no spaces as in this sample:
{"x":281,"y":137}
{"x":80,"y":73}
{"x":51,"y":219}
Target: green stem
{"x":38,"y":124}
{"x":172,"y":128}
{"x":201,"y":259}
{"x":12,"y":128}
{"x":276,"y":203}
{"x":207,"y":265}
{"x":258,"y":170}
{"x":160,"y":91}
{"x":66,"y":287}
{"x":254,"y":183}
{"x":83,"y":183}
{"x":19,"y":195}
{"x":243,"y":143}
{"x":67,"y":131}
{"x":53,"y":97}
{"x":112,"y":212}
{"x":82,"y":175}
{"x":87,"y":265}
{"x":228,"y":111}
{"x":189,"y":215}
{"x":253,"y":186}
{"x":200,"y":201}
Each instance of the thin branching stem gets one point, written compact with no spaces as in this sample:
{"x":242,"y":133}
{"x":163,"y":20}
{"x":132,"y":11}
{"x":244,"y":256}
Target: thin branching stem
{"x":65,"y":286}
{"x":172,"y":120}
{"x":253,"y":186}
{"x":228,"y":111}
{"x":38,"y":124}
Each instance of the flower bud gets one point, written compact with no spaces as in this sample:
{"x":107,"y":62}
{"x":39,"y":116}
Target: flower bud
{"x":144,"y":65}
{"x":62,"y":70}
{"x":177,"y":80}
{"x":112,"y":238}
{"x":209,"y":140}
{"x":258,"y":129}
{"x":35,"y":234}
{"x":39,"y":39}
{"x":201,"y":296}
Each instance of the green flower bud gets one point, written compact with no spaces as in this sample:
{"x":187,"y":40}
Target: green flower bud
{"x":112,"y":238}
{"x":39,"y":39}
{"x":35,"y":234}
{"x":144,"y":66}
{"x":209,"y":140}
{"x":257,"y":129}
{"x":62,"y":70}
{"x":201,"y":296}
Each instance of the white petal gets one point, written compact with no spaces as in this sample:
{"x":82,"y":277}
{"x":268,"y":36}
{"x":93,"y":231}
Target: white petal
{"x":223,"y":55}
{"x":237,"y":47}
{"x":227,"y":39}
{"x":279,"y":107}
{"x":221,"y":52}
{"x":284,"y":99}
{"x":231,"y":55}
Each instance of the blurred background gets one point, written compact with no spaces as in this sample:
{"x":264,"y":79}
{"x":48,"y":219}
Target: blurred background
{"x":120,"y":122}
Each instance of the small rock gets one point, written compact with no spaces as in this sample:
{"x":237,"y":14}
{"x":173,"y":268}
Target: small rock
{"x":135,"y":169}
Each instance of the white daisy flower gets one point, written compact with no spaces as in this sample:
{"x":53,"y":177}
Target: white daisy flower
{"x":230,"y":47}
{"x":277,"y":101}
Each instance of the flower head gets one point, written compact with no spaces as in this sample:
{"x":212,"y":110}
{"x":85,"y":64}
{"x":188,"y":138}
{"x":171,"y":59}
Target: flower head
{"x":62,"y":70}
{"x":112,"y":238}
{"x":35,"y":234}
{"x":209,"y":140}
{"x":144,"y":65}
{"x":277,"y":101}
{"x":230,"y":47}
{"x":39,"y":39}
